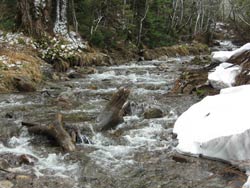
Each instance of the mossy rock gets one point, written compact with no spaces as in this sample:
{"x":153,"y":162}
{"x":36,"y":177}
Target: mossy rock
{"x":24,"y":84}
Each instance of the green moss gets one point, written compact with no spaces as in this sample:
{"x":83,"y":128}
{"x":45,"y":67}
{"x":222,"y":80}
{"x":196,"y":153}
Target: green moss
{"x":21,"y":41}
{"x":201,"y":92}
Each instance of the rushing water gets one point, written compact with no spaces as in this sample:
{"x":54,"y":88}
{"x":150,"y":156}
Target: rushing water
{"x":138,"y":153}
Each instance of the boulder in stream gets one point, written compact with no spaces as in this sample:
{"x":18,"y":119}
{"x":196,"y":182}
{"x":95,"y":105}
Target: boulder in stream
{"x":153,"y":113}
{"x":24,"y":84}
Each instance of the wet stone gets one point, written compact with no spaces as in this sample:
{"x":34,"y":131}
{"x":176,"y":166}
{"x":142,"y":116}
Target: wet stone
{"x":180,"y":159}
{"x":24,"y":84}
{"x":153,"y":113}
{"x":4,"y":164}
{"x":75,"y":75}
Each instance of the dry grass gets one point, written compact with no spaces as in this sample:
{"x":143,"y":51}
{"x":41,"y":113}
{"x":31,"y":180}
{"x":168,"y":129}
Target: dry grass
{"x":176,"y":50}
{"x":18,"y":64}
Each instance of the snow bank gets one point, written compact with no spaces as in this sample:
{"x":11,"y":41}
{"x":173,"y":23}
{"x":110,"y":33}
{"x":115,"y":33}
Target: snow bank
{"x":218,"y":127}
{"x":223,"y":56}
{"x":224,"y":75}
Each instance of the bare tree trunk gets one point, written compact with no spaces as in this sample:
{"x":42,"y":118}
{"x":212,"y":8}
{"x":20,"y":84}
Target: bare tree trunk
{"x":141,"y":23}
{"x":25,"y":18}
{"x":61,"y":23}
{"x":112,"y":114}
{"x":34,"y":17}
{"x":75,"y":22}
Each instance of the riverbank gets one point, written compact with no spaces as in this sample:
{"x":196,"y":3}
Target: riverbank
{"x":25,"y":63}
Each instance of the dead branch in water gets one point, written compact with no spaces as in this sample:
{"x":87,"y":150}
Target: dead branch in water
{"x":112,"y":114}
{"x":54,"y":130}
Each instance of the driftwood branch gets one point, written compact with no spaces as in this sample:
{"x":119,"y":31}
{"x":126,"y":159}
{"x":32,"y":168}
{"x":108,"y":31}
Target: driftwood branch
{"x":112,"y":114}
{"x":55,"y":130}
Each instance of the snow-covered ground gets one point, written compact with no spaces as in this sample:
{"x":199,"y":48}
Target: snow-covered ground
{"x":218,"y":126}
{"x":224,"y":75}
{"x":223,"y":56}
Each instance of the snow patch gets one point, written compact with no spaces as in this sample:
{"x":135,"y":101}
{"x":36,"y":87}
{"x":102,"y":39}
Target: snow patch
{"x":218,"y":127}
{"x":224,"y":75}
{"x":223,"y":56}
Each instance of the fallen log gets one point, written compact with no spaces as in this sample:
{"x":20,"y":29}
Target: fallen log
{"x":112,"y":114}
{"x":54,"y":130}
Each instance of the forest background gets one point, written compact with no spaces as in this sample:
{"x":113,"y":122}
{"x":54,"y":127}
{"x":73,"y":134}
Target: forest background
{"x":111,"y":24}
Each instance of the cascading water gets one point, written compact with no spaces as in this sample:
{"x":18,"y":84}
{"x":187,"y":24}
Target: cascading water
{"x":138,"y":153}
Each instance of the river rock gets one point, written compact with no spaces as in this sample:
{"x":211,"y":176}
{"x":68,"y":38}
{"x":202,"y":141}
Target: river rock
{"x":4,"y":164}
{"x":153,"y":113}
{"x":24,"y":84}
{"x":87,"y":70}
{"x":6,"y":184}
{"x":75,"y":75}
{"x":27,"y":159}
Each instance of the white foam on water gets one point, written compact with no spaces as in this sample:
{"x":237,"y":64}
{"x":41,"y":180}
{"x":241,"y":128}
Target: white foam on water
{"x":15,"y":100}
{"x":52,"y":164}
{"x":77,"y":111}
{"x":142,"y":91}
{"x":112,"y":156}
{"x":145,"y":78}
{"x":132,"y":66}
{"x":106,"y":75}
{"x":146,"y":136}
{"x":98,"y":91}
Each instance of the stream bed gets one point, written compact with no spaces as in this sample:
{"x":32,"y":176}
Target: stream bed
{"x":139,"y":153}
